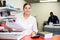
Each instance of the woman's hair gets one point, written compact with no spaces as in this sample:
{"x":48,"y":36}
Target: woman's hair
{"x":26,"y":4}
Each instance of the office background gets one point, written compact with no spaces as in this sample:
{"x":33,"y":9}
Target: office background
{"x":40,"y":10}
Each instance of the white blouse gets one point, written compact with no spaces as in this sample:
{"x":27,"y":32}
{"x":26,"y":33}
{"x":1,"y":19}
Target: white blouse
{"x":29,"y":24}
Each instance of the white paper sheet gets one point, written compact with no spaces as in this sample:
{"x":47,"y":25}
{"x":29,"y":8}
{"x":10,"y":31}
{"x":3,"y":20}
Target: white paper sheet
{"x":15,"y":26}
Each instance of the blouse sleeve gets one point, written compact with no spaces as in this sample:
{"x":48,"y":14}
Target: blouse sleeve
{"x":35,"y":26}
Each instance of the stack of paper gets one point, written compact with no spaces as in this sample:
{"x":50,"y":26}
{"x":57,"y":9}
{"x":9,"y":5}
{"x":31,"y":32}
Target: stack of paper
{"x":46,"y":34}
{"x":15,"y":26}
{"x":11,"y":35}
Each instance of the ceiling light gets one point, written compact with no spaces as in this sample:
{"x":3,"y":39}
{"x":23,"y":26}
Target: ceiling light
{"x":48,"y":0}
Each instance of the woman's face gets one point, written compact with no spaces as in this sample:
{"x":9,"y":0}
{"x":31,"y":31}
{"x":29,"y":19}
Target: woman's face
{"x":27,"y":9}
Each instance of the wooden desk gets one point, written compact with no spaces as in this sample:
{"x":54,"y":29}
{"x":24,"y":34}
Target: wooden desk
{"x":26,"y":38}
{"x":53,"y":38}
{"x":29,"y":38}
{"x":56,"y":38}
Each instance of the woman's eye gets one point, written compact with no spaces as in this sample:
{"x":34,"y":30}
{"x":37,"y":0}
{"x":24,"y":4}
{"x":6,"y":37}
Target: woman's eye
{"x":26,"y":8}
{"x":29,"y":8}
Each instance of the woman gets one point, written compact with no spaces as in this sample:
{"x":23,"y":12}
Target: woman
{"x":27,"y":21}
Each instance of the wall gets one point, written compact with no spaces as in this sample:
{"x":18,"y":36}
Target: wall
{"x":15,"y":3}
{"x":42,"y":10}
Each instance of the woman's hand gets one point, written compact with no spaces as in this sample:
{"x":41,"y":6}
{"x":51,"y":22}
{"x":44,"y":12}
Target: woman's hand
{"x":33,"y":34}
{"x":5,"y":26}
{"x":8,"y":28}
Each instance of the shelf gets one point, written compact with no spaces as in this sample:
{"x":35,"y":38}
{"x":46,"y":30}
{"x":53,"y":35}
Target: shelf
{"x":9,"y":9}
{"x":2,"y":9}
{"x":2,"y":18}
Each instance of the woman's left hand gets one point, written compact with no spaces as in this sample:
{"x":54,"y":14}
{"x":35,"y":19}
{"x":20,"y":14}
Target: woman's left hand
{"x":33,"y":34}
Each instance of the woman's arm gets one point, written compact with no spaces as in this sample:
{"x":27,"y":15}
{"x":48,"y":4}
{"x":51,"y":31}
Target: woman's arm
{"x":34,"y":28}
